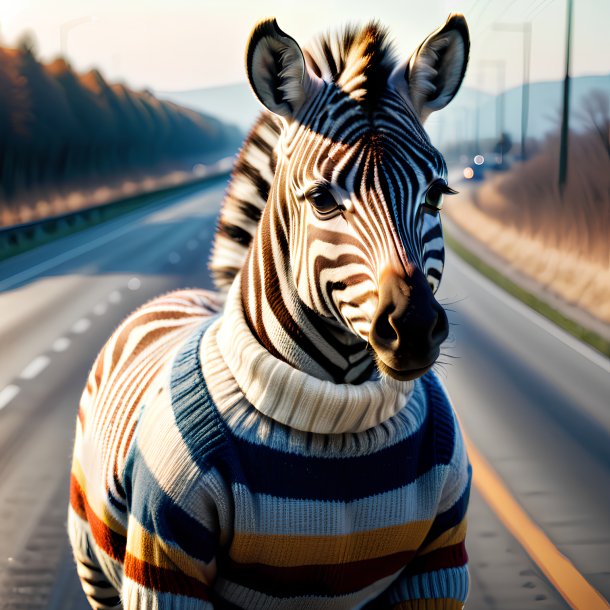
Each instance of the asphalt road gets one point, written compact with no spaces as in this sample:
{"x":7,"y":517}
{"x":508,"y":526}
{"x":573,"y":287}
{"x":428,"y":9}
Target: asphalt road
{"x":534,"y":403}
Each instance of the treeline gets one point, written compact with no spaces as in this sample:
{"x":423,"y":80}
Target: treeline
{"x":59,"y":127}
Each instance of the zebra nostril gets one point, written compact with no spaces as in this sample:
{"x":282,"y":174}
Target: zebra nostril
{"x":384,"y":331}
{"x":440,"y":330}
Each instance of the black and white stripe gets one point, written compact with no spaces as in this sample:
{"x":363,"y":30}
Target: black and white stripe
{"x":345,"y":126}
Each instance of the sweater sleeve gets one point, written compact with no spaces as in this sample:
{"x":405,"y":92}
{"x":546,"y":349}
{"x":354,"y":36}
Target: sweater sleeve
{"x":177,"y":514}
{"x":437,"y":577}
{"x":172,"y":540}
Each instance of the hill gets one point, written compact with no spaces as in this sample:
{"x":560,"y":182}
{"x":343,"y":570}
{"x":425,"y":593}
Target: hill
{"x":236,"y":103}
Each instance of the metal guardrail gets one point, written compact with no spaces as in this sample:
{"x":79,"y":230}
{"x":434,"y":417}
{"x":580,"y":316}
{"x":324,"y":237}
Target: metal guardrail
{"x":17,"y":238}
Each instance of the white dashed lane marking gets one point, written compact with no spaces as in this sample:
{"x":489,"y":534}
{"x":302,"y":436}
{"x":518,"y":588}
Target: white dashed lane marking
{"x":100,"y":309}
{"x":134,"y":283}
{"x":61,"y":344}
{"x":35,"y":367}
{"x":81,"y":326}
{"x":7,"y":394}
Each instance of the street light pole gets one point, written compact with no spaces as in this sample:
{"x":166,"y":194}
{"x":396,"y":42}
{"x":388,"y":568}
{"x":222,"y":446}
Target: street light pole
{"x":524,"y":28}
{"x":565,"y":115}
{"x":500,"y":66}
{"x":64,"y":30}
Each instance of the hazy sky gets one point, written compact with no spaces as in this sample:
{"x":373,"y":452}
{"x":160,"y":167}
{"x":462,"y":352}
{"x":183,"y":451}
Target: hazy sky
{"x":187,"y":44}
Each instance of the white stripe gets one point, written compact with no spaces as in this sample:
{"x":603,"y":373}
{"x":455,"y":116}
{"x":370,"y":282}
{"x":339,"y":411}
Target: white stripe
{"x":7,"y":394}
{"x":61,"y":344}
{"x":100,"y":309}
{"x":35,"y":367}
{"x":81,"y":326}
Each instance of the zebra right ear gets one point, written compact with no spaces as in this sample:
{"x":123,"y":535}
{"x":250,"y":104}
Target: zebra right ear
{"x":433,"y":74}
{"x":277,"y":70}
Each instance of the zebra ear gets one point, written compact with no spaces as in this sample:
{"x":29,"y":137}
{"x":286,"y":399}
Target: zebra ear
{"x":434,"y":73}
{"x":277,"y":70}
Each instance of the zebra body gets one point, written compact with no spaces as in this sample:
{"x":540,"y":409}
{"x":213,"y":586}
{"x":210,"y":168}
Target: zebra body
{"x":330,"y":248}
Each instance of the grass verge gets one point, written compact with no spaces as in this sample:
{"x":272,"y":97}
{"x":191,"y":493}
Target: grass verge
{"x":580,"y":332}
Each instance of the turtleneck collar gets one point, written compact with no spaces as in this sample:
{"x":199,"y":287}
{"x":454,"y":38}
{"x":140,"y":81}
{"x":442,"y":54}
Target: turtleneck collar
{"x":290,"y":396}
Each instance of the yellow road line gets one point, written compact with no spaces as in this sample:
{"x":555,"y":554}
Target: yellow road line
{"x":568,"y":581}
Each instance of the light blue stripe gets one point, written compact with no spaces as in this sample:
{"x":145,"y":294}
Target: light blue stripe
{"x":265,"y":514}
{"x":449,"y":583}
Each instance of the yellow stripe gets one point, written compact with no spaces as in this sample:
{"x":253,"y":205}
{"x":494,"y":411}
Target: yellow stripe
{"x":568,"y":581}
{"x":96,"y":504}
{"x":149,"y":548}
{"x":290,"y":551}
{"x":452,"y":536}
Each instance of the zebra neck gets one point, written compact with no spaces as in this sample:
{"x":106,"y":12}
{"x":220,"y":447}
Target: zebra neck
{"x":288,"y":329}
{"x":236,"y":365}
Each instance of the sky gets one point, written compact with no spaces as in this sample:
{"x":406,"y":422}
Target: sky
{"x":173,"y":45}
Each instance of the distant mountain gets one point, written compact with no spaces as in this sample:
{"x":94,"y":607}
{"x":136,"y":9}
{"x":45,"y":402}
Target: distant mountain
{"x":236,"y":104}
{"x":231,"y":103}
{"x":457,"y":122}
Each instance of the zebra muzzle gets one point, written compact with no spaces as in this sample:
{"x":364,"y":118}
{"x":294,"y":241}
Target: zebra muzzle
{"x":408,"y":327}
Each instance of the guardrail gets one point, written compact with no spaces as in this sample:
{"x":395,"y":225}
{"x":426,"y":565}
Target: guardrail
{"x":18,"y":238}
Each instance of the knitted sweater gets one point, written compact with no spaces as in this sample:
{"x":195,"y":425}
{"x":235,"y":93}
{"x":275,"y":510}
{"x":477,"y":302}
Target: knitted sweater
{"x":239,"y":482}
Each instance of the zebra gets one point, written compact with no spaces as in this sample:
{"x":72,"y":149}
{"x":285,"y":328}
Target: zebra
{"x":283,"y":442}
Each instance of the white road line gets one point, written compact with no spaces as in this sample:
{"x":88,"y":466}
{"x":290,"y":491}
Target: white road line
{"x":100,"y":309}
{"x":134,"y":283}
{"x":174,"y":258}
{"x":533,"y":316}
{"x":81,"y":326}
{"x":61,"y":344}
{"x":115,"y":297}
{"x":35,"y":367}
{"x":7,"y":394}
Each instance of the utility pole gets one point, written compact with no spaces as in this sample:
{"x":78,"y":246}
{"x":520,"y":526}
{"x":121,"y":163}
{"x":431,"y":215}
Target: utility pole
{"x":500,"y":66}
{"x":524,"y":28}
{"x":565,"y":116}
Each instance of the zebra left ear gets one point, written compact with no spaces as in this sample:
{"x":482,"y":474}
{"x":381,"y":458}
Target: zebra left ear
{"x":433,"y":74}
{"x":277,"y":70}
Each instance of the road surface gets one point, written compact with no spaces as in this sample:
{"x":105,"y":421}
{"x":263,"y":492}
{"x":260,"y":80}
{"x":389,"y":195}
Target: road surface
{"x":534,"y":403}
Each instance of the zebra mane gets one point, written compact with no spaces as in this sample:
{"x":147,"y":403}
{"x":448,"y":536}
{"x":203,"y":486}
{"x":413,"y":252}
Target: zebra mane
{"x":359,"y":61}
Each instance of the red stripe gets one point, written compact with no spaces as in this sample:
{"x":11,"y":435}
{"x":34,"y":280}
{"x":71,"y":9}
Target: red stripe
{"x":77,"y":498}
{"x":453,"y":556}
{"x":163,"y":580}
{"x":333,"y":579}
{"x":111,"y":542}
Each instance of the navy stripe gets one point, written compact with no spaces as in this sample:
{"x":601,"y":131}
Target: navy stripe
{"x":161,"y":516}
{"x":270,"y":471}
{"x":451,"y":517}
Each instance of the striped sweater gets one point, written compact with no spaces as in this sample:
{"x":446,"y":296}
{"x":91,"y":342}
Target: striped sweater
{"x":208,"y":474}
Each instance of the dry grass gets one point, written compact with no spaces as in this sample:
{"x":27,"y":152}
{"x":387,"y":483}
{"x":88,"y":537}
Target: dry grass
{"x":44,"y":203}
{"x":562,"y":242}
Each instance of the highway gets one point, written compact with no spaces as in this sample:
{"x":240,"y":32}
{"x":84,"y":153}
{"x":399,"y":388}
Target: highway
{"x":533,"y":402}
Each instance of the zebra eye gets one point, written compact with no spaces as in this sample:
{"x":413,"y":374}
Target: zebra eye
{"x":434,"y":196}
{"x":323,"y":202}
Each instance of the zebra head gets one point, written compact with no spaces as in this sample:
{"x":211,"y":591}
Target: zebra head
{"x":357,"y":190}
